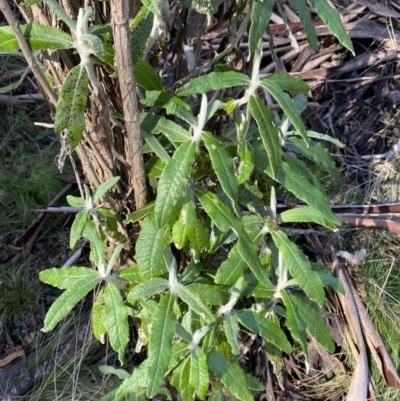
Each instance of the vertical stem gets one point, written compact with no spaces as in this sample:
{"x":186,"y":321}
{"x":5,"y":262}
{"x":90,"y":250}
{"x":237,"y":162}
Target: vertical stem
{"x":33,"y":65}
{"x":124,"y":64}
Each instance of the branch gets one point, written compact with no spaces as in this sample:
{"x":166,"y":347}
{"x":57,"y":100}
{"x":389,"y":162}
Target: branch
{"x":124,"y":64}
{"x":33,"y":65}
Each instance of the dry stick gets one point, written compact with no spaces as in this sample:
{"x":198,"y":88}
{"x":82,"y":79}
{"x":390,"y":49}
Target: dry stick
{"x":124,"y":64}
{"x":33,"y":65}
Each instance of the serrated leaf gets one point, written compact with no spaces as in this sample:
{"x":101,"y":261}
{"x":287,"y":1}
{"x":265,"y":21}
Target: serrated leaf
{"x":266,"y":328}
{"x":97,"y":244}
{"x":140,"y":28}
{"x":224,"y":219}
{"x":255,"y":289}
{"x":130,"y":273}
{"x":254,"y":383}
{"x":103,"y":188}
{"x":231,"y":375}
{"x":98,"y":318}
{"x":199,"y":239}
{"x":269,"y":132}
{"x":140,"y":214}
{"x":299,"y":267}
{"x":77,"y":227}
{"x":223,"y":167}
{"x":116,"y":320}
{"x":75,"y":202}
{"x":315,"y":152}
{"x":160,"y":344}
{"x":231,"y":329}
{"x":67,"y":300}
{"x":287,"y":105}
{"x":301,"y":8}
{"x":307,"y":192}
{"x":39,"y":37}
{"x":212,"y":293}
{"x":172,"y":104}
{"x":260,"y":16}
{"x":186,"y":390}
{"x":301,"y":316}
{"x":327,"y":278}
{"x":136,"y":381}
{"x":71,"y":105}
{"x":147,"y":289}
{"x":323,"y":137}
{"x":246,"y":161}
{"x":65,"y":277}
{"x":194,"y":301}
{"x":231,"y":269}
{"x":150,"y":247}
{"x":212,"y":82}
{"x":172,"y":182}
{"x":199,"y":377}
{"x":302,"y":215}
{"x":179,"y":352}
{"x":146,"y":76}
{"x":288,"y":83}
{"x":331,"y":17}
{"x":160,"y":125}
{"x":185,"y":225}
{"x":156,"y":146}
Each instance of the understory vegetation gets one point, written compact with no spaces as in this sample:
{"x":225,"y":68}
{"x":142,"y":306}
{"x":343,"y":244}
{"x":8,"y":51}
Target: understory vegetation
{"x":204,"y":248}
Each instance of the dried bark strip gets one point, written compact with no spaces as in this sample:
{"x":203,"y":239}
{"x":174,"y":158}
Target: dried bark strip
{"x":124,"y":65}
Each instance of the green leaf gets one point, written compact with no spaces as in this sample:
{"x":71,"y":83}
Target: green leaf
{"x":269,"y":132}
{"x":254,"y":383}
{"x":160,"y":125}
{"x":315,"y":152}
{"x":327,"y":278}
{"x":199,"y":377}
{"x":287,"y":105}
{"x":136,"y":381}
{"x":195,"y":302}
{"x":15,"y":84}
{"x":160,"y":344}
{"x":71,"y":105}
{"x":231,"y":329}
{"x":146,"y":76}
{"x":301,"y":316}
{"x":246,"y":161}
{"x":156,"y":147}
{"x":77,"y":227}
{"x":172,"y":104}
{"x":299,"y":267}
{"x":231,"y":375}
{"x":98,"y":317}
{"x":140,"y":28}
{"x":116,"y":320}
{"x":307,"y":192}
{"x":231,"y":269}
{"x":130,"y":273}
{"x":39,"y":37}
{"x":150,"y":247}
{"x":172,"y":182}
{"x":75,"y":202}
{"x":264,"y":327}
{"x":103,"y":188}
{"x":331,"y":17}
{"x":301,"y":8}
{"x":212,"y":293}
{"x":110,"y":370}
{"x":288,"y":83}
{"x":302,"y":215}
{"x":260,"y":16}
{"x":65,"y":277}
{"x":67,"y":300}
{"x":185,"y":225}
{"x":223,"y":167}
{"x":97,"y":244}
{"x":140,"y":214}
{"x":186,"y":390}
{"x":147,"y":289}
{"x":199,"y":239}
{"x":323,"y":137}
{"x":212,"y":82}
